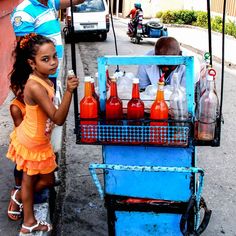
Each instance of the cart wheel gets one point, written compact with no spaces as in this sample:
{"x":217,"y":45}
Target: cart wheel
{"x":136,"y":40}
{"x":154,"y":25}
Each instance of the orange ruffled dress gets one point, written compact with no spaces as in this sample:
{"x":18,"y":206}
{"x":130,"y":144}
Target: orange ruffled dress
{"x":19,"y":104}
{"x":30,"y":147}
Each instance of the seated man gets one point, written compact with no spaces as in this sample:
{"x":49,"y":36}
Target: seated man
{"x":150,"y":74}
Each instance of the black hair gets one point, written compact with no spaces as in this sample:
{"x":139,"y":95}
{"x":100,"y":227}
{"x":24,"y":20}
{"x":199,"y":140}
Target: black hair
{"x":25,"y":49}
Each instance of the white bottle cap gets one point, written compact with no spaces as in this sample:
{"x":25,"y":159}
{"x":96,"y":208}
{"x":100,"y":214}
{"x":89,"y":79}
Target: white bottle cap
{"x":113,"y":78}
{"x":70,"y":73}
{"x":135,"y":81}
{"x":210,"y":77}
{"x":87,"y":79}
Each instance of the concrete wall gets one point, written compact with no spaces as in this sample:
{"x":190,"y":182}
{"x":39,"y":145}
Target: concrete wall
{"x":7,"y":42}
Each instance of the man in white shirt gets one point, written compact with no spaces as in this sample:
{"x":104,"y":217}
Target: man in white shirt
{"x":150,"y":74}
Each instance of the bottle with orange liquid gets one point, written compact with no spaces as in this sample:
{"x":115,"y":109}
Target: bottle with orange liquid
{"x":114,"y":112}
{"x":94,"y":92}
{"x":88,"y":114}
{"x":135,"y":112}
{"x":135,"y":107}
{"x":159,"y":111}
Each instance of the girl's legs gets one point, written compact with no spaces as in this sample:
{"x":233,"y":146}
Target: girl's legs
{"x":14,"y":208}
{"x":31,"y":184}
{"x":18,"y":178}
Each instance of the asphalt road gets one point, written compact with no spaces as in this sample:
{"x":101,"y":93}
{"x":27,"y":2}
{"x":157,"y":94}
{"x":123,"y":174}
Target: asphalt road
{"x":79,"y":210}
{"x":83,"y":212}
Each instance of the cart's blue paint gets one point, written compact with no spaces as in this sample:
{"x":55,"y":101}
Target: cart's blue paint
{"x":166,"y":173}
{"x":155,"y":185}
{"x":147,"y":223}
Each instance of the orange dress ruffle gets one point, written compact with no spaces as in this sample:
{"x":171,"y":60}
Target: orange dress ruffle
{"x":30,"y":147}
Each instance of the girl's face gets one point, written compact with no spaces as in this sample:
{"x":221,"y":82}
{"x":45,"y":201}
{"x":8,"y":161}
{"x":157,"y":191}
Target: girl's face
{"x":45,"y":62}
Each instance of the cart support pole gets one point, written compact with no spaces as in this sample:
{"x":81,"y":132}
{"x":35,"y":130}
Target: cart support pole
{"x":73,"y":62}
{"x":209,"y":29}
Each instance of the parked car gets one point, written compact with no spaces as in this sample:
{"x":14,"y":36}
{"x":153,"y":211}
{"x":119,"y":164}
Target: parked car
{"x":90,"y":17}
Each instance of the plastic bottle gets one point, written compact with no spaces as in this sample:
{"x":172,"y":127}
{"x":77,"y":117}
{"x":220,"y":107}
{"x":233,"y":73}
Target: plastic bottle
{"x":114,"y":110}
{"x":178,"y":108}
{"x":135,"y":107}
{"x":88,"y":114}
{"x":207,"y":114}
{"x":159,"y":111}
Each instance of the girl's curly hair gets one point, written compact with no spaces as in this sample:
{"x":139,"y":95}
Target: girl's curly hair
{"x":25,"y":49}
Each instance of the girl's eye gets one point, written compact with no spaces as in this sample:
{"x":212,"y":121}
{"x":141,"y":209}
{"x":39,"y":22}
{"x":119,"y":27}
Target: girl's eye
{"x":55,"y":56}
{"x":45,"y":59}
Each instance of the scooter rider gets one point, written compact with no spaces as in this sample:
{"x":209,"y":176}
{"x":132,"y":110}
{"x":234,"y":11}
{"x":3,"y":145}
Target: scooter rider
{"x":135,"y":23}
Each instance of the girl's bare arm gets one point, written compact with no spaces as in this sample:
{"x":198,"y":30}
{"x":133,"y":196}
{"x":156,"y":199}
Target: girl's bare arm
{"x":38,"y":95}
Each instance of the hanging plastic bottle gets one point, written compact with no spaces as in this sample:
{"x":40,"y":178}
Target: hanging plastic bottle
{"x":114,"y":110}
{"x":207,"y":114}
{"x":178,"y":109}
{"x":88,"y":114}
{"x":159,"y":111}
{"x":135,"y":105}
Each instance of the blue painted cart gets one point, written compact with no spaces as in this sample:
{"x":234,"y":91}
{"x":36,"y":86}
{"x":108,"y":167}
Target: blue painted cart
{"x":148,"y":189}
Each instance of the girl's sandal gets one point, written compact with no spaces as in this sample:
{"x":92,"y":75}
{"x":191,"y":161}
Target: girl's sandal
{"x":14,"y":215}
{"x":33,"y":228}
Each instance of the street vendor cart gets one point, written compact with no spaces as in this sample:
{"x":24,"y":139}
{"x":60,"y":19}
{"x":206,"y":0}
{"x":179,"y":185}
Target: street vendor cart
{"x":149,"y":188}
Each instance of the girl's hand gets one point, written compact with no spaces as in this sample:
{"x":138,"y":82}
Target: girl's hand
{"x":72,"y":83}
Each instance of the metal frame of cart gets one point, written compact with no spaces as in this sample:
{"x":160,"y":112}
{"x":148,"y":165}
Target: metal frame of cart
{"x":157,"y":188}
{"x":151,"y":189}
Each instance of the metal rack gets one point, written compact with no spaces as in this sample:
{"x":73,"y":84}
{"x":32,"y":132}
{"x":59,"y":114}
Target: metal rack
{"x":139,"y":167}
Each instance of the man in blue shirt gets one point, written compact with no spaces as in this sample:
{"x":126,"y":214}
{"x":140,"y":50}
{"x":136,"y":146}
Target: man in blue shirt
{"x":41,"y":17}
{"x":150,"y":74}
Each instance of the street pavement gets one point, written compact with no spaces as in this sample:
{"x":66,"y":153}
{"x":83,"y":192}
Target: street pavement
{"x":189,"y":37}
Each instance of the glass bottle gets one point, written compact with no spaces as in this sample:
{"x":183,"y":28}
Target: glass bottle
{"x":135,"y":107}
{"x":207,"y":114}
{"x":178,"y":109}
{"x":114,"y":104}
{"x":88,"y":114}
{"x":135,"y":113}
{"x":205,"y":66}
{"x":159,"y":111}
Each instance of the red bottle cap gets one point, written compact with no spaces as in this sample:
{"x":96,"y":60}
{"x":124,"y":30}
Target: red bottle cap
{"x":162,"y":78}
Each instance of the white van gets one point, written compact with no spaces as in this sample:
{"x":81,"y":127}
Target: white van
{"x":90,"y":17}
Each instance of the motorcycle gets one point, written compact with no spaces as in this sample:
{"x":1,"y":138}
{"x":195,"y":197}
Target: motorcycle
{"x":151,"y":29}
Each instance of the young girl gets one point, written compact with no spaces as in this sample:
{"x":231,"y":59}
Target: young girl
{"x":17,"y":109}
{"x":30,"y":145}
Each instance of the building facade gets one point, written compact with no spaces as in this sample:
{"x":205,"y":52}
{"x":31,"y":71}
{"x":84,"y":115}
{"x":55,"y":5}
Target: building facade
{"x":151,"y":7}
{"x":7,"y":44}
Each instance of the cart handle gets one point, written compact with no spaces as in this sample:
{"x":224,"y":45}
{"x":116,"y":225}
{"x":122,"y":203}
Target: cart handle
{"x":94,"y":166}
